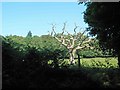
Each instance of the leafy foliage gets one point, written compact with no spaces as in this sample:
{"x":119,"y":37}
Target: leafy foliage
{"x":35,"y":64}
{"x":29,"y":34}
{"x":103,"y":21}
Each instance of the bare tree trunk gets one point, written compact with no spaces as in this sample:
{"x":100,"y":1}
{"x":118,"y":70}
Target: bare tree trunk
{"x":72,"y":56}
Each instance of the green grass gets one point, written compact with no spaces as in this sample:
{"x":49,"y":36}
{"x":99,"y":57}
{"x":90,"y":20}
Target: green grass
{"x":109,"y":62}
{"x":102,"y":70}
{"x":99,"y":62}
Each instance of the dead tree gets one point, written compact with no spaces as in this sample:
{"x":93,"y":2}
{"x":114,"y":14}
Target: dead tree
{"x":72,"y":42}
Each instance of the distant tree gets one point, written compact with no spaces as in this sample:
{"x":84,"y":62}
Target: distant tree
{"x":29,"y":34}
{"x":103,"y":21}
{"x":28,"y":39}
{"x":72,"y":42}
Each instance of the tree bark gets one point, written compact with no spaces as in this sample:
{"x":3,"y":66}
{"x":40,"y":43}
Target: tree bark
{"x":72,"y":56}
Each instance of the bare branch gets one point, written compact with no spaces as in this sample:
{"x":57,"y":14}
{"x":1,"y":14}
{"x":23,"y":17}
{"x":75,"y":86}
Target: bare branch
{"x":48,"y":32}
{"x":75,"y":28}
{"x":67,"y":40}
{"x":53,"y":29}
{"x":79,"y":47}
{"x":85,"y":46}
{"x":82,"y":34}
{"x":66,"y":31}
{"x":61,"y":40}
{"x":89,"y":40}
{"x":73,"y":42}
{"x":57,"y":39}
{"x":64,"y":27}
{"x":84,"y":40}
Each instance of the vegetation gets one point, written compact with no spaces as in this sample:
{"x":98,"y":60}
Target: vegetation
{"x":47,"y":61}
{"x":102,"y":70}
{"x":103,"y":22}
{"x":42,"y":63}
{"x":75,"y":42}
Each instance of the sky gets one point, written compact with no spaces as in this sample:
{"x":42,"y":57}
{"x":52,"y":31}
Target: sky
{"x":18,"y":18}
{"x":40,"y":0}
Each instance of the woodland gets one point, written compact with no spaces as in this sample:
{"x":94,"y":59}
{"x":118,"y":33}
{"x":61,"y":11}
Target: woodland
{"x":86,"y":59}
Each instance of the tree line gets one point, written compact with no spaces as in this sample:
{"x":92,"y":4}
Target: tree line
{"x":41,"y":49}
{"x":22,"y":56}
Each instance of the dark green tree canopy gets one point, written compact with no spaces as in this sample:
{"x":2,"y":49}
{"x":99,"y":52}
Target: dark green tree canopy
{"x":29,"y":34}
{"x":103,"y":21}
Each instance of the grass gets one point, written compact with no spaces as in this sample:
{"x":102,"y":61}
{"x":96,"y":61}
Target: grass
{"x":109,"y":62}
{"x":99,"y":62}
{"x":102,"y":70}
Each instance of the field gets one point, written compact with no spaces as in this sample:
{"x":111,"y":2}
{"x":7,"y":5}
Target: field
{"x":102,"y":70}
{"x":109,"y":62}
{"x":99,"y":62}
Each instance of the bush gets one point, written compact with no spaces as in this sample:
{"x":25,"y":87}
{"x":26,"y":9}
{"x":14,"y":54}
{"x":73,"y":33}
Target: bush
{"x":88,"y":54}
